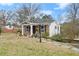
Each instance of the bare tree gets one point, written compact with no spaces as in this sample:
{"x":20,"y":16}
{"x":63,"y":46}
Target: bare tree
{"x":73,"y":10}
{"x":9,"y":15}
{"x":3,"y":16}
{"x":27,"y":11}
{"x":73,"y":13}
{"x":6,"y":15}
{"x":71,"y":29}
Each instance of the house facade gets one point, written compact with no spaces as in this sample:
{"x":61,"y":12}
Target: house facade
{"x":30,"y":28}
{"x":54,"y":29}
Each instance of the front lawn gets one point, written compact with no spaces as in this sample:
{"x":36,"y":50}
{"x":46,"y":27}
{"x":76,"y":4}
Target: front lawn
{"x":12,"y":44}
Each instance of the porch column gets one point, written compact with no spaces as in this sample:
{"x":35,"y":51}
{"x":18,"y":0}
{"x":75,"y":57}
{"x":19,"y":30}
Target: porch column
{"x":31,"y":30}
{"x":22,"y":29}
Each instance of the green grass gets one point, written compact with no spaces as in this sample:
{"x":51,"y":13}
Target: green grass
{"x":13,"y":45}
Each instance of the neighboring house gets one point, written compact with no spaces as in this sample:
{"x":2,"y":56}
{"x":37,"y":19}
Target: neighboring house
{"x":45,"y":25}
{"x":8,"y":27}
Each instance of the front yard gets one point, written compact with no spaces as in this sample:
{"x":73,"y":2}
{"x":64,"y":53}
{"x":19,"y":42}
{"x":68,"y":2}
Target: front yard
{"x":12,"y":44}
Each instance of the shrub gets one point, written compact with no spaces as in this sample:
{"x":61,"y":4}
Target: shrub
{"x":45,"y":35}
{"x":57,"y":38}
{"x":19,"y":32}
{"x":60,"y":38}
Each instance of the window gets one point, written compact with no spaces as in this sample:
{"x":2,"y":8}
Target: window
{"x":27,"y":28}
{"x":55,"y":27}
{"x":42,"y":28}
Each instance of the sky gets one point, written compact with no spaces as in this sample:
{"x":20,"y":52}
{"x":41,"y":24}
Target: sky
{"x":53,"y":9}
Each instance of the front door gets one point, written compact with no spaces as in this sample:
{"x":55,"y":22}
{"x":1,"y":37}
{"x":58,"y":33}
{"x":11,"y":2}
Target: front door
{"x":34,"y":29}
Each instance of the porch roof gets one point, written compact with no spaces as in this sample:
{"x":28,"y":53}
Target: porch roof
{"x":36,"y":24}
{"x":38,"y":21}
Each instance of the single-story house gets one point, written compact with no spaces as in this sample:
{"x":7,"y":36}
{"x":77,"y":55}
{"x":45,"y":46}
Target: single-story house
{"x":8,"y":27}
{"x":45,"y":25}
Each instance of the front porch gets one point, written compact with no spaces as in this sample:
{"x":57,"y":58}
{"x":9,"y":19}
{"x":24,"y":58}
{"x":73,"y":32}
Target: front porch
{"x":32,"y":29}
